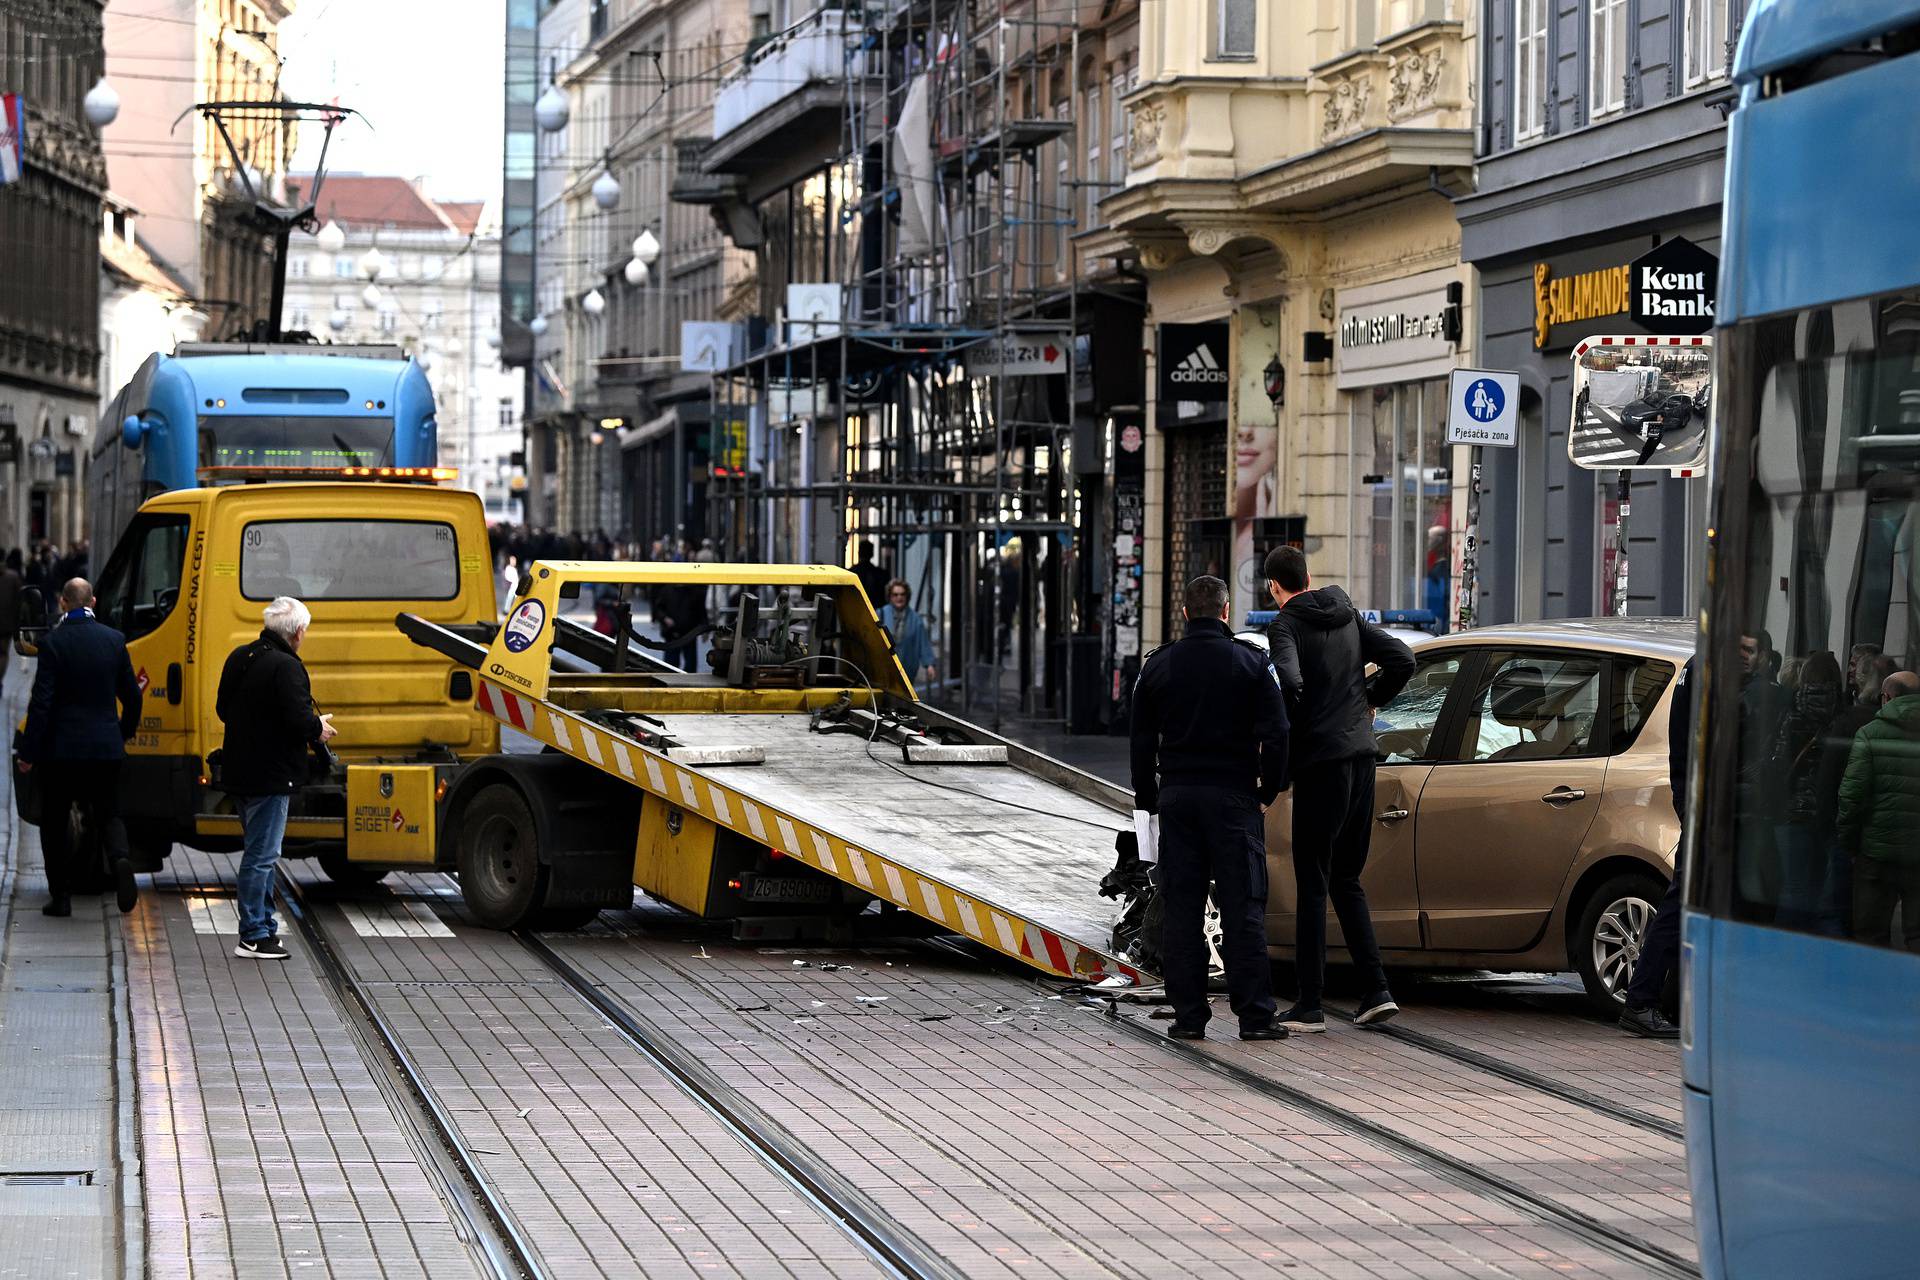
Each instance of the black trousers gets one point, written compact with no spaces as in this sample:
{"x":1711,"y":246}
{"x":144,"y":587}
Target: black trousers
{"x":1659,"y":953}
{"x":1332,"y":829}
{"x":1214,"y":836}
{"x":93,"y":785}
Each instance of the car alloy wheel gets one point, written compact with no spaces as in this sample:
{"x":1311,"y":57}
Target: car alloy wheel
{"x":1617,"y":938}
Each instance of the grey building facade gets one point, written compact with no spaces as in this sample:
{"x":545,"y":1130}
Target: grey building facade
{"x":1602,"y":135}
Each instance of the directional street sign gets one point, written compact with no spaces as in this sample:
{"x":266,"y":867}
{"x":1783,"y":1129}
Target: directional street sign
{"x":1483,"y":407}
{"x":1018,"y":354}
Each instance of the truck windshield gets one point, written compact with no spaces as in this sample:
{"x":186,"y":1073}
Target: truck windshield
{"x":295,"y":441}
{"x":349,"y":560}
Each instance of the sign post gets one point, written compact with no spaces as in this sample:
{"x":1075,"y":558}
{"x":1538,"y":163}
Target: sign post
{"x":1483,"y":408}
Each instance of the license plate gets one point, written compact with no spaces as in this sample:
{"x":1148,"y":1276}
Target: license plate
{"x":789,"y":889}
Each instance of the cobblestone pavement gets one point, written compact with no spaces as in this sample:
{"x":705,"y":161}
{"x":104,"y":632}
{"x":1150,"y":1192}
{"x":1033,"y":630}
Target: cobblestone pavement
{"x":1037,"y":1136}
{"x":1009,"y":1126}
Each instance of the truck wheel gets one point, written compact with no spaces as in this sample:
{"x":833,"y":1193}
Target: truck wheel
{"x":500,"y":872}
{"x":346,"y":874}
{"x":1612,"y":929}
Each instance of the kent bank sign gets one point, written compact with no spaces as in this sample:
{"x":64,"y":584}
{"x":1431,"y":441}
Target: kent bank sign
{"x":1670,"y":289}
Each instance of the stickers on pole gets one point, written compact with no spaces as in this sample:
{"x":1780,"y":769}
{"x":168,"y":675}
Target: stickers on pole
{"x":1483,"y":407}
{"x":523,"y":628}
{"x":1641,"y":403}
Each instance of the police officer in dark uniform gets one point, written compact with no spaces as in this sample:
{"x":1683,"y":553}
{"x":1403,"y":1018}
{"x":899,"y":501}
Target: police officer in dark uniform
{"x":1209,"y":755}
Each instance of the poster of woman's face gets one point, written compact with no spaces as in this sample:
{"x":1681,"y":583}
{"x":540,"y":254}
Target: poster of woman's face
{"x":1256,"y":496}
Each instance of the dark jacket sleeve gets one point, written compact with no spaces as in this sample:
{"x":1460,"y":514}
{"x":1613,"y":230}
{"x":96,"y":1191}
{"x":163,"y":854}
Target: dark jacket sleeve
{"x":1144,"y":740}
{"x":1270,"y":727}
{"x":295,"y":696}
{"x":1680,"y":738}
{"x":1391,"y":656}
{"x":37,"y":736}
{"x":1285,"y":656}
{"x":128,"y":688}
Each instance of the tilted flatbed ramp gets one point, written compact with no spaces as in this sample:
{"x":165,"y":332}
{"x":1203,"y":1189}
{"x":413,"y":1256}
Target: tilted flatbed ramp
{"x":1008,"y":853}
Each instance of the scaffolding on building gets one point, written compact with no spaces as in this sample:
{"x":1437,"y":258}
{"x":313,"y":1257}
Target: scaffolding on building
{"x":921,"y":396}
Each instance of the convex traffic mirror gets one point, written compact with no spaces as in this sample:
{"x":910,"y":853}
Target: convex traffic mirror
{"x":1641,"y":402}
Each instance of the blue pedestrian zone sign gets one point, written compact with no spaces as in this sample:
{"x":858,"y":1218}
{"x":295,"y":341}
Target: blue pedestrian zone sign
{"x":1485,"y":400}
{"x":1483,"y":408}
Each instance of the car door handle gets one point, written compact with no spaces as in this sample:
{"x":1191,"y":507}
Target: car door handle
{"x":1393,"y":815}
{"x":1561,"y":796}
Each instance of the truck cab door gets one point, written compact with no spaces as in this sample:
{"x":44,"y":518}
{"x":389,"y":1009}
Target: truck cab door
{"x":147,"y":592}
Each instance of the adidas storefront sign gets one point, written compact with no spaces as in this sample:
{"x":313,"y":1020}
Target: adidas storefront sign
{"x":1193,"y":363}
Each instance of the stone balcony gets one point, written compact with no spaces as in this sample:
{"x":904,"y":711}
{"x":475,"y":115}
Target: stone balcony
{"x":1217,"y":158}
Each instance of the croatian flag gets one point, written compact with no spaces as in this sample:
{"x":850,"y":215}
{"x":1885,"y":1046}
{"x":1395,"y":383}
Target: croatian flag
{"x":13,"y":137}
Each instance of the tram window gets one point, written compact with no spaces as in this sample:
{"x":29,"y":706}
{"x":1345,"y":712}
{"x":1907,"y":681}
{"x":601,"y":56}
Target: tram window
{"x":1827,"y":777}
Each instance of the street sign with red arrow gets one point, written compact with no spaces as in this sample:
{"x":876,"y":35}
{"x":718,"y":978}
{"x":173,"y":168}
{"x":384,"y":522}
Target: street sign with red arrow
{"x":1018,"y":354}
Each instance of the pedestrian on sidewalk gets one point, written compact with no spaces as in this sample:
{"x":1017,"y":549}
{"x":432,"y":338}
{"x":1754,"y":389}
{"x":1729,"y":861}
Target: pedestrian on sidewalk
{"x":1660,"y":948}
{"x":1321,"y":648}
{"x":266,"y":703}
{"x":1209,"y":746}
{"x":10,"y":585}
{"x":77,"y":739}
{"x":908,"y":630}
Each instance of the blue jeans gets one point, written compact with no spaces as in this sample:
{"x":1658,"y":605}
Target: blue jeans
{"x":264,"y":821}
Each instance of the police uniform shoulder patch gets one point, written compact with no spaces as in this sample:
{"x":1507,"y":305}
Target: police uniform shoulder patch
{"x":1265,"y":656}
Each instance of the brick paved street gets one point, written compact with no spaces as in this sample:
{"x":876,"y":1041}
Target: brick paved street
{"x":1004,"y":1124}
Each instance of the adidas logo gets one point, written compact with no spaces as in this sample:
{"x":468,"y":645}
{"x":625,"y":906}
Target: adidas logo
{"x":1199,"y":367}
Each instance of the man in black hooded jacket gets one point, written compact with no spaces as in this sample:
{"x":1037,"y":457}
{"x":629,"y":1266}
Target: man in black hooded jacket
{"x":1321,"y":647}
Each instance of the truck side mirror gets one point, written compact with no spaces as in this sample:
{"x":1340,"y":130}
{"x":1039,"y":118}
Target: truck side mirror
{"x":33,"y":622}
{"x":133,"y":431}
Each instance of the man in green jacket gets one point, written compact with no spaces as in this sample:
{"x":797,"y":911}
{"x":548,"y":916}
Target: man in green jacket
{"x":1879,"y":816}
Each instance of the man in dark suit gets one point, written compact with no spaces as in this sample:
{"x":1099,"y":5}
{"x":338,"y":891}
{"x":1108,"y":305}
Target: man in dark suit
{"x":76,"y":740}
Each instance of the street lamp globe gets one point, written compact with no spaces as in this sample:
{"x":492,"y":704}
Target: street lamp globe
{"x":550,"y":110}
{"x":606,"y":190}
{"x":636,"y":272}
{"x":537,"y":326}
{"x":101,"y":105}
{"x":493,"y":341}
{"x":337,"y":321}
{"x":331,"y":238}
{"x":593,"y":304}
{"x":372,"y":262}
{"x":646,"y":247}
{"x":370,"y":295}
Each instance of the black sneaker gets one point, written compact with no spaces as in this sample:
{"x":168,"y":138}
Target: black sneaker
{"x":126,"y":893}
{"x":1302,"y":1020}
{"x":268,"y":948}
{"x":1649,"y":1023}
{"x":1272,"y":1031}
{"x":1178,"y":1032}
{"x":1375,"y":1010}
{"x":60,"y":907}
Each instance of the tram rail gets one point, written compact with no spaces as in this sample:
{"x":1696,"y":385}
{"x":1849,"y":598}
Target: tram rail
{"x":1517,"y":1074}
{"x":501,"y":1243}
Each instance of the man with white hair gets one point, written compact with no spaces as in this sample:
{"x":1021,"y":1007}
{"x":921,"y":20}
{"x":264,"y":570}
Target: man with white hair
{"x":266,"y":703}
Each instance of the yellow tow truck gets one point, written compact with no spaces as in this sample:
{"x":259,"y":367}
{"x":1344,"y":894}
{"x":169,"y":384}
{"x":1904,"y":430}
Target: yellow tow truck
{"x":794,"y":784}
{"x":187,"y":583}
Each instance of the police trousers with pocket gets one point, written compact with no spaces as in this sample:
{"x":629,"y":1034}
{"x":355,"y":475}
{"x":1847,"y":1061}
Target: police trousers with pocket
{"x":1214,"y":837}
